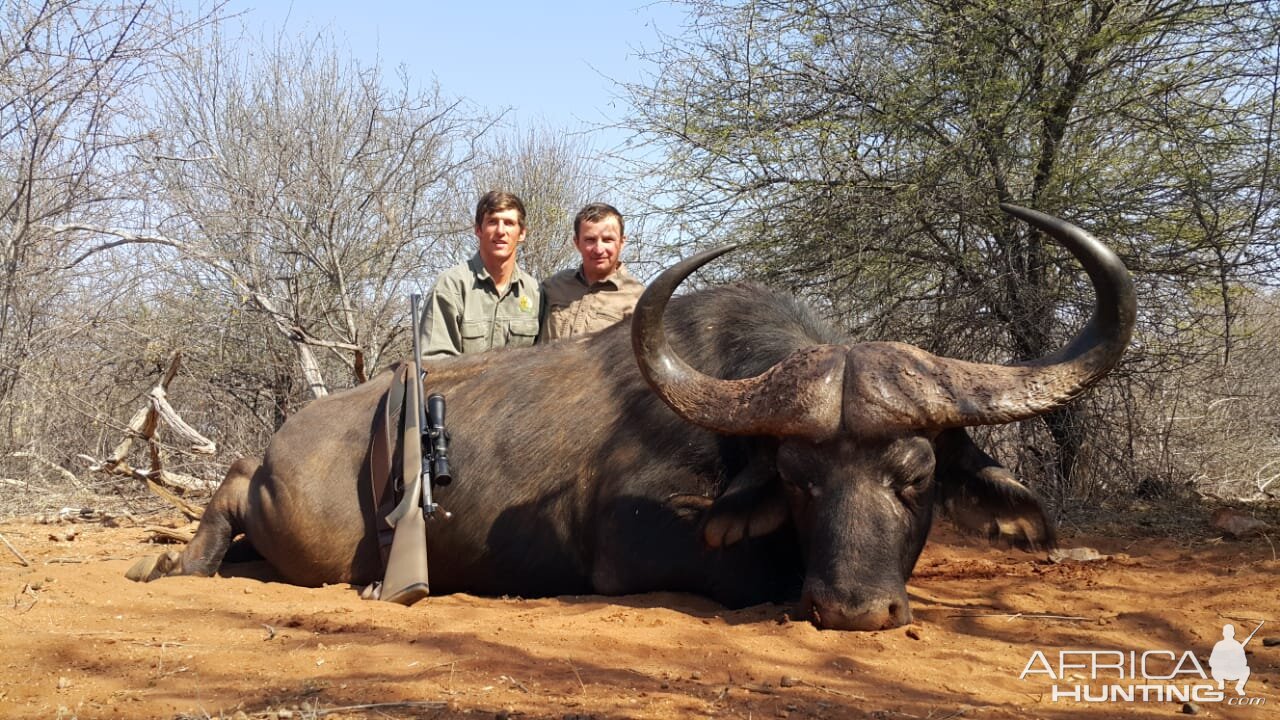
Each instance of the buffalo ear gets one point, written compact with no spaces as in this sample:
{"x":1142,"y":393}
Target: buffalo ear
{"x":752,"y":505}
{"x":741,"y":512}
{"x":982,"y":497}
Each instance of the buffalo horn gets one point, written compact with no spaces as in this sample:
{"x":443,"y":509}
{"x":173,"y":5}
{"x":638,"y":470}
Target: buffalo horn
{"x":888,"y":386}
{"x":895,"y":385}
{"x":801,"y":395}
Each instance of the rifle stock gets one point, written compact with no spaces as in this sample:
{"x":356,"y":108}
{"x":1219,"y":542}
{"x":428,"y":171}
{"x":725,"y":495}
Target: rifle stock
{"x":406,"y":579}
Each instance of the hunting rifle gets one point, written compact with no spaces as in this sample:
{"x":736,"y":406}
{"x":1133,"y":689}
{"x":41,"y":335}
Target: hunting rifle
{"x":405,"y":581}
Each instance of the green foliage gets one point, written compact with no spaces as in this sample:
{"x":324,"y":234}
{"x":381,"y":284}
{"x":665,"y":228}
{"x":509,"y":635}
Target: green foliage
{"x":864,"y":146}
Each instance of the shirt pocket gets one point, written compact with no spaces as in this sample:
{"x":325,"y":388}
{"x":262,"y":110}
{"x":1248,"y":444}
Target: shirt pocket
{"x":603,"y":317}
{"x":475,"y":335}
{"x":559,"y":321}
{"x":522,"y":331}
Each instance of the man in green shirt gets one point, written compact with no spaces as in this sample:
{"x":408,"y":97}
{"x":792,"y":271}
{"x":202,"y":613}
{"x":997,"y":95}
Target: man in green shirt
{"x":487,"y":302}
{"x":600,"y":291}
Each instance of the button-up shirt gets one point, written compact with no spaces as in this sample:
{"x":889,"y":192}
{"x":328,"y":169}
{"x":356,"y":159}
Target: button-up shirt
{"x":575,"y":307}
{"x":466,"y":314}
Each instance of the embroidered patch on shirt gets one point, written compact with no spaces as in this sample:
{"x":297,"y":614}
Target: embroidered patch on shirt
{"x":525,"y":305}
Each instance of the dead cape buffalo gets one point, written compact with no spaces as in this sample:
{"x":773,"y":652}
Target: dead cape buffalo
{"x":790,"y":463}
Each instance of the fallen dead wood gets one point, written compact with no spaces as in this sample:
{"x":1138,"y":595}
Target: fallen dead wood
{"x":165,"y":478}
{"x":145,"y":426}
{"x":198,"y":443}
{"x":193,"y":512}
{"x":165,"y":534}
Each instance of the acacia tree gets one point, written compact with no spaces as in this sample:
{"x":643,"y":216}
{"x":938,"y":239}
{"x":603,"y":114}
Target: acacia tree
{"x":71,"y":76}
{"x":863,"y":147}
{"x":305,"y":189}
{"x":326,"y":189}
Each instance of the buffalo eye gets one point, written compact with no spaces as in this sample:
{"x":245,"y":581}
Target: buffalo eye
{"x":913,"y":492}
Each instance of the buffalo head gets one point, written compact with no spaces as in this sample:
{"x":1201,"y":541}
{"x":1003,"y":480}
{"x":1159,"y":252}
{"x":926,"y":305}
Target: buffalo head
{"x":853,"y":433}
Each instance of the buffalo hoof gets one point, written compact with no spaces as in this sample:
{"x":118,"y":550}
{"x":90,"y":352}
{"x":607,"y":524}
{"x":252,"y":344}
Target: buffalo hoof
{"x":1023,"y":532}
{"x":154,"y":566}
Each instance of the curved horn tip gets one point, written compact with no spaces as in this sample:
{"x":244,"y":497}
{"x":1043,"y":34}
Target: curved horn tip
{"x":710,"y":254}
{"x":1023,"y":213}
{"x":1049,"y":223}
{"x":664,"y":285}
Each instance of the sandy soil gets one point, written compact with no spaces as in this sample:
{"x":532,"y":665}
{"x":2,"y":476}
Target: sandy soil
{"x":77,"y":639}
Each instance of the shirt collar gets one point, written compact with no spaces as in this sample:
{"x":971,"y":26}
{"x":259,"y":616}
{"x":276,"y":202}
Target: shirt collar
{"x":614,"y":278}
{"x":477,"y":266}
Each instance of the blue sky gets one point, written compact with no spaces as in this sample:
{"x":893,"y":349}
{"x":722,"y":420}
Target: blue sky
{"x":550,"y":63}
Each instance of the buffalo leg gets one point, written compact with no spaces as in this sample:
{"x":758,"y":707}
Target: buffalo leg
{"x":647,"y":546}
{"x":223,"y":519}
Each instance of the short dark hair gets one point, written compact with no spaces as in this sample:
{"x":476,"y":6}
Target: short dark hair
{"x":497,"y":201}
{"x":595,"y":212}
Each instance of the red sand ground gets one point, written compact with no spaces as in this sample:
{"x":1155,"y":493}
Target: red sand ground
{"x":77,"y":639}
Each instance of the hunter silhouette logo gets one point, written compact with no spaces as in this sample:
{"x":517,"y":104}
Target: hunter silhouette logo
{"x":1156,"y":675}
{"x":1227,"y":662}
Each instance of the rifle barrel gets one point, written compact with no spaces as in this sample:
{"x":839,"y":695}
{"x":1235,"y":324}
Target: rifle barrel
{"x":428,"y":502}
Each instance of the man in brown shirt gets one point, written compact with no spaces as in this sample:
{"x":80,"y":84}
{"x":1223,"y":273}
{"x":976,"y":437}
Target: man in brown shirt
{"x":598,"y":293}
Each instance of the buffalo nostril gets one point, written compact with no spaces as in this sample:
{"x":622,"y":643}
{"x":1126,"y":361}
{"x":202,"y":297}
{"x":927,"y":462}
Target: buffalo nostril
{"x":830,"y":612}
{"x":899,"y":613}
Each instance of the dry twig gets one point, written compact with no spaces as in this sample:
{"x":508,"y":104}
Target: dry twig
{"x":829,"y":691}
{"x":424,"y":704}
{"x":65,"y":473}
{"x":1240,"y":618}
{"x":575,"y":674}
{"x":515,"y":683}
{"x":14,"y":550}
{"x":1018,"y":616}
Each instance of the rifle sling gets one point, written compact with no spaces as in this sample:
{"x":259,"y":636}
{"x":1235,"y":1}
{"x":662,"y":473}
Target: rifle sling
{"x":386,"y":473}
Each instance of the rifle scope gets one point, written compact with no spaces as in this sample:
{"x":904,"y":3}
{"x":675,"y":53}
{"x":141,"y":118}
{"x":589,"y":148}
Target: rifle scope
{"x":438,"y":440}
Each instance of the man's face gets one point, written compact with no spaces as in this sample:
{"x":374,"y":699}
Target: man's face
{"x":499,"y":234}
{"x":600,"y":244}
